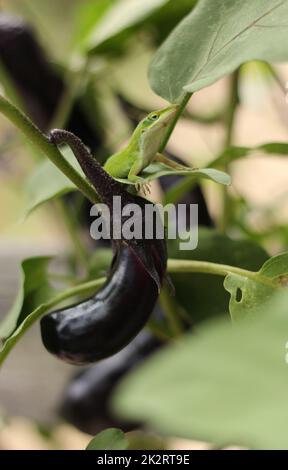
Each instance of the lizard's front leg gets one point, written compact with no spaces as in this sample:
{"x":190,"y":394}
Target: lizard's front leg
{"x":141,"y":184}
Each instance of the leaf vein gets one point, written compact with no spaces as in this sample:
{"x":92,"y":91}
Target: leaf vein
{"x":249,"y":26}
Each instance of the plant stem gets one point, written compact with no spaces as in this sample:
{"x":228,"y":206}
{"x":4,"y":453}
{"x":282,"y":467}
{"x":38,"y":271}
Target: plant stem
{"x":171,"y":128}
{"x":230,"y":118}
{"x":169,"y":308}
{"x":40,"y":141}
{"x":83,"y":289}
{"x":187,"y":266}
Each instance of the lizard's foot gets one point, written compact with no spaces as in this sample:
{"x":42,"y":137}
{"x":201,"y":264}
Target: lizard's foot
{"x":140,"y":184}
{"x":144,"y":187}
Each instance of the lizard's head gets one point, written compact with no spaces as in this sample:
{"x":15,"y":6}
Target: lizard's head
{"x":152,"y":129}
{"x":159,"y":119}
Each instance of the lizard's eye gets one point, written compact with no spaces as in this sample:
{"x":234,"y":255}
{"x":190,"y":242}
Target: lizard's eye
{"x":154,"y":117}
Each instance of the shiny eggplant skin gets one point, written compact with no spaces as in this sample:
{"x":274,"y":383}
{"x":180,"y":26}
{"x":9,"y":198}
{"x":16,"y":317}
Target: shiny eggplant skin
{"x":104,"y":324}
{"x":86,"y":400}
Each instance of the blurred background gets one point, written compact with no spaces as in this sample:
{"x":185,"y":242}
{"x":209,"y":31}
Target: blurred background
{"x":69,"y":64}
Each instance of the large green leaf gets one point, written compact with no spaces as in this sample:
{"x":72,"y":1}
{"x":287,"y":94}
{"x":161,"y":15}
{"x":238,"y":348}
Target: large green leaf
{"x":214,"y":39}
{"x":226,"y":384}
{"x":203,"y":295}
{"x":110,"y":439}
{"x":248,"y":295}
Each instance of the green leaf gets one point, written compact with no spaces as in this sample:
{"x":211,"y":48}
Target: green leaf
{"x":249,"y":295}
{"x":230,"y":154}
{"x":110,"y":439}
{"x":88,"y":15}
{"x":225,"y":384}
{"x":48,"y":183}
{"x":34,"y":289}
{"x":121,"y":16}
{"x":155,"y":17}
{"x":28,"y":320}
{"x":155,"y":170}
{"x":235,"y":153}
{"x":35,"y":298}
{"x":276,"y":148}
{"x":214,"y":39}
{"x":203,"y":295}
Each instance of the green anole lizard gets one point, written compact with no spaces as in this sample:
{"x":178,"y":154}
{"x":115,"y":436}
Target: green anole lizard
{"x":142,"y":148}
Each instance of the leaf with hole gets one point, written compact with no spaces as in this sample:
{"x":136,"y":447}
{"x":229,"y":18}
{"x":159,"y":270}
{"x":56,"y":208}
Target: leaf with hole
{"x":249,"y":294}
{"x":203,"y":295}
